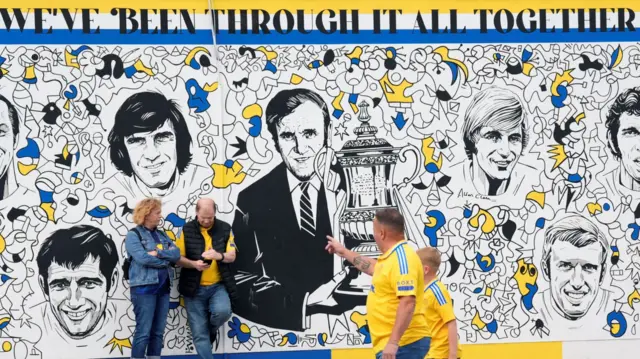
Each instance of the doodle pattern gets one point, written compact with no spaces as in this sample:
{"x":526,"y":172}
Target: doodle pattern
{"x":517,"y":162}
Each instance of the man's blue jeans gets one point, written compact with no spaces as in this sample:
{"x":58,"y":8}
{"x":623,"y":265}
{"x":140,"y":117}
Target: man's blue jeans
{"x":207,"y":311}
{"x":151,"y":318}
{"x":415,"y":350}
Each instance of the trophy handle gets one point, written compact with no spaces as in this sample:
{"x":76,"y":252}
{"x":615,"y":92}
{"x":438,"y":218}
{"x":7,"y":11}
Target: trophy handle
{"x":324,"y":172}
{"x":403,"y":158}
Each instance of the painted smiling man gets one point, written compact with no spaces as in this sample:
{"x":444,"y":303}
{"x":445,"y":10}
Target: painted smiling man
{"x":494,"y":132}
{"x":151,"y":147}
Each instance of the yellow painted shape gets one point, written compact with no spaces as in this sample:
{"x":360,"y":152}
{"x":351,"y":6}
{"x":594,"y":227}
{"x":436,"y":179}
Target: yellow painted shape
{"x":548,"y":350}
{"x":352,"y":354}
{"x":363,"y":6}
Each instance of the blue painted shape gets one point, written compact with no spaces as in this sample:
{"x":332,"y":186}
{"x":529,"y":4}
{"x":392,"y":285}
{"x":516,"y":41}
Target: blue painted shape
{"x":606,"y":207}
{"x":636,"y":230}
{"x":492,"y":327}
{"x":306,"y":354}
{"x":197,"y":96}
{"x":194,"y":64}
{"x":31,"y":150}
{"x":45,"y":196}
{"x":71,"y":93}
{"x":454,"y":71}
{"x":337,"y":113}
{"x":432,"y":168}
{"x":77,"y":51}
{"x":228,"y":163}
{"x":256,"y":126}
{"x":563,"y":93}
{"x":204,"y":37}
{"x":527,"y":299}
{"x":129,"y":71}
{"x":432,"y":232}
{"x":574,"y":178}
{"x":353,"y":98}
{"x":269,"y":66}
{"x":175,"y":220}
{"x":540,"y":222}
{"x":399,"y":120}
{"x":311,"y":354}
{"x":99,"y":212}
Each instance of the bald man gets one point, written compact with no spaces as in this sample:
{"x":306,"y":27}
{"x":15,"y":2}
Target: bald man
{"x":206,"y":280}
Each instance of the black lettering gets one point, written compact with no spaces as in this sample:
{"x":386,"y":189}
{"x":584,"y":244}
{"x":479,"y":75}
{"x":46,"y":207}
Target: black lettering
{"x":277,"y":24}
{"x":39,"y":21}
{"x":376,"y":21}
{"x":66,"y":15}
{"x":453,"y":16}
{"x":301,"y":22}
{"x":533,"y":25}
{"x":17,"y":13}
{"x":393,"y":20}
{"x":623,"y":22}
{"x":188,"y":22}
{"x":420,"y":24}
{"x":483,"y":19}
{"x":543,"y":21}
{"x":497,"y":21}
{"x":87,"y":20}
{"x":124,"y":15}
{"x":256,"y":24}
{"x":332,"y":23}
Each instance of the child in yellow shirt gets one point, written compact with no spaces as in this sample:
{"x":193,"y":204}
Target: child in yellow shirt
{"x":439,"y":309}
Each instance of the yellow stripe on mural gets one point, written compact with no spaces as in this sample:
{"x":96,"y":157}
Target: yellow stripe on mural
{"x":550,"y":350}
{"x":364,"y":6}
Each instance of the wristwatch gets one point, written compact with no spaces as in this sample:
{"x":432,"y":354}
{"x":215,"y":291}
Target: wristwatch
{"x":222,"y":258}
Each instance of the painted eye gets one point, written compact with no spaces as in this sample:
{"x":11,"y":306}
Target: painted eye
{"x":532,"y":271}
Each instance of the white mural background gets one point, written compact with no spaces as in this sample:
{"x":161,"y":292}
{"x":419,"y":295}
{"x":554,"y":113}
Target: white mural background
{"x":558,"y":165}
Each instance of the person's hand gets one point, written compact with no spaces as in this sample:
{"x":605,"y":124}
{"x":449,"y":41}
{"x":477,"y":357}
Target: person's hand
{"x":334,"y":247}
{"x":153,"y":253}
{"x":324,"y":294}
{"x":390,"y":351}
{"x":211,"y":254}
{"x":200,"y":265}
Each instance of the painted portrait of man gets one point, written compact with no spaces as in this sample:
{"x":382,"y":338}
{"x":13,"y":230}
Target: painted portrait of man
{"x":623,"y":139}
{"x":284,"y":214}
{"x":574,"y":262}
{"x":150,"y":145}
{"x":495,"y":135}
{"x":9,"y":132}
{"x":77,"y":272}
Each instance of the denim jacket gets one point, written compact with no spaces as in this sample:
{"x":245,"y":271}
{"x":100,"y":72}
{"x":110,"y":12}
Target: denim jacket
{"x":144,"y":267}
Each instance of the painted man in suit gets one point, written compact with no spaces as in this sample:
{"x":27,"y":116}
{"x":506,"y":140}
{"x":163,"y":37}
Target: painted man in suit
{"x":282,"y":221}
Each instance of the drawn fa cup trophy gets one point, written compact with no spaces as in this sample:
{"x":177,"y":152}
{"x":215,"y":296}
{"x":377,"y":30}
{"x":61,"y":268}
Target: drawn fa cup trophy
{"x":369,"y":164}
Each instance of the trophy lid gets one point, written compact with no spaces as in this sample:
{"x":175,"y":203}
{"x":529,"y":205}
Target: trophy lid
{"x":366,"y":133}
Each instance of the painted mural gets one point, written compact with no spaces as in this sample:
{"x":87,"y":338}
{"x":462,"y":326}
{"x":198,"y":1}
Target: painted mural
{"x":520,"y":163}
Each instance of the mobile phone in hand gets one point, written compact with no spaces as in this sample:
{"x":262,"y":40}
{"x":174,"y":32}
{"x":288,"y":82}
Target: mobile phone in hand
{"x":208,"y":261}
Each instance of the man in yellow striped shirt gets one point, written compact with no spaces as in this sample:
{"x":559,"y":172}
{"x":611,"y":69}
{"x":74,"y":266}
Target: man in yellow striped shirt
{"x":395,"y":304}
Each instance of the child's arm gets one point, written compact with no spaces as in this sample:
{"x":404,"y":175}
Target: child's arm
{"x":452,"y":330}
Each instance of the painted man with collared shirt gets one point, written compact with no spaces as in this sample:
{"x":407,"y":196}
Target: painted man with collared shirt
{"x":206,"y":281}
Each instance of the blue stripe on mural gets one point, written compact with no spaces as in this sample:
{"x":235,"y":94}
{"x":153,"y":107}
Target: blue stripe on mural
{"x":201,"y":37}
{"x":310,"y":354}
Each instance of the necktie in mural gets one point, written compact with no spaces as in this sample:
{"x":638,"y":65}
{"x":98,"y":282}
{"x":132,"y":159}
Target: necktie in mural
{"x":306,"y":214}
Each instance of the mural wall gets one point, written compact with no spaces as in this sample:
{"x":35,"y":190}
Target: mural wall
{"x":519,"y":162}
